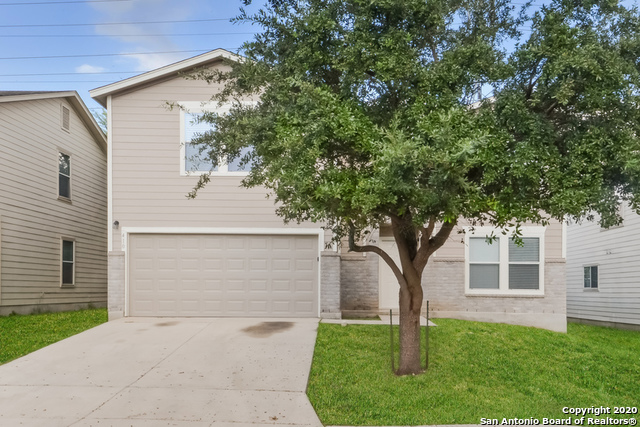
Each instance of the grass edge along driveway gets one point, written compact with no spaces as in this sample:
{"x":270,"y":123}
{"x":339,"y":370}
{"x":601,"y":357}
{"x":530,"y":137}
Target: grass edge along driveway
{"x":476,"y":370}
{"x":23,"y":334}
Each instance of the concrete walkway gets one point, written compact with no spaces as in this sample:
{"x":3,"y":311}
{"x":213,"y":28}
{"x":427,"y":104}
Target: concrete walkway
{"x":166,"y":372}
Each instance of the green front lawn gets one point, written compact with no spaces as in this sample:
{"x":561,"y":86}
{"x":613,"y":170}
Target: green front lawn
{"x":20,"y":335}
{"x":476,"y":370}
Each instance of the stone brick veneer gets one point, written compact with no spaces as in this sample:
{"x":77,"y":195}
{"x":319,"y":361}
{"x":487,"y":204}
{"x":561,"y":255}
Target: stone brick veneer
{"x":115,"y":285}
{"x":359,"y":280}
{"x":330,"y":285}
{"x":443,"y":281}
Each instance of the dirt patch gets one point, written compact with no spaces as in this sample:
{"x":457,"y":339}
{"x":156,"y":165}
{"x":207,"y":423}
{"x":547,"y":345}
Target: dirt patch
{"x":266,"y":329}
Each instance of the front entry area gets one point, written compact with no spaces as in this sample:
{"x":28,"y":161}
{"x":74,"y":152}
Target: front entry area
{"x":389,"y":288}
{"x":207,"y":275}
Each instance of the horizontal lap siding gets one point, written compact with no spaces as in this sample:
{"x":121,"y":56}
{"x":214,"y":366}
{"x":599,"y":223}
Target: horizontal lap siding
{"x":616,"y":252}
{"x":33,"y":220}
{"x":148,"y":190}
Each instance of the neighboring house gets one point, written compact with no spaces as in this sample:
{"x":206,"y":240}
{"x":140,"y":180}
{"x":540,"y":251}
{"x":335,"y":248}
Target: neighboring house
{"x":226,"y":253}
{"x":603,"y":272}
{"x":53,"y":204}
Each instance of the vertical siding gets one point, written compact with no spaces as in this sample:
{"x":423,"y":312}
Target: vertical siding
{"x":616,"y":252}
{"x":33,"y":220}
{"x":147,"y":187}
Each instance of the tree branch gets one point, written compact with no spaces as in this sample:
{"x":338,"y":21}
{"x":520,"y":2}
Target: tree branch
{"x":434,"y":51}
{"x":432,"y":245}
{"x":551,"y":108}
{"x":441,"y":236}
{"x":353,"y":247}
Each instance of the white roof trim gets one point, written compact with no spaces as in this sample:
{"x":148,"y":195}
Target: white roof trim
{"x":34,"y":96}
{"x":100,"y":93}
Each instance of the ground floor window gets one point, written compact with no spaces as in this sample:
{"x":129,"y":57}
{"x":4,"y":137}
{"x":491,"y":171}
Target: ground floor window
{"x":591,"y":277}
{"x":495,"y":263}
{"x":68,"y":262}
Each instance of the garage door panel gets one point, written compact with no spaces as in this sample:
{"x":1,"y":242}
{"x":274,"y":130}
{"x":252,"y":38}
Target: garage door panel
{"x":303,"y":306}
{"x":303,"y":265}
{"x":304,"y":285}
{"x":212,"y":285}
{"x":236,"y":243}
{"x":214,"y":243}
{"x":222,"y":275}
{"x":258,"y":285}
{"x":281,"y":307}
{"x":259,"y":243}
{"x":258,"y":265}
{"x":281,"y":265}
{"x":235,"y":264}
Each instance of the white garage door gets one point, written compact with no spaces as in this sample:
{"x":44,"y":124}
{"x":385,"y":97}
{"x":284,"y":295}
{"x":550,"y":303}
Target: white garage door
{"x":223,"y":275}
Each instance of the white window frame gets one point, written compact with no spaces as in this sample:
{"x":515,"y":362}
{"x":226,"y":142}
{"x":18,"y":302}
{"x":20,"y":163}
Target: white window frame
{"x":195,"y":107}
{"x":591,"y":288}
{"x":503,"y":241}
{"x":62,"y":261}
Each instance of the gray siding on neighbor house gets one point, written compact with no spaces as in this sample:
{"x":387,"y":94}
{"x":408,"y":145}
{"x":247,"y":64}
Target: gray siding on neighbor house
{"x":33,"y":220}
{"x":616,"y":252}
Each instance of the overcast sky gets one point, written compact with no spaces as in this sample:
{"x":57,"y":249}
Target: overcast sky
{"x":65,"y":44}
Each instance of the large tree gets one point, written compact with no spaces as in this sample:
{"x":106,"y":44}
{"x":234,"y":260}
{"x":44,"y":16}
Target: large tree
{"x":368,"y":112}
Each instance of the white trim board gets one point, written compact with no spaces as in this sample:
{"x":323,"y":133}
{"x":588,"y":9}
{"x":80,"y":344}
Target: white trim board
{"x":109,"y":174}
{"x":100,"y":93}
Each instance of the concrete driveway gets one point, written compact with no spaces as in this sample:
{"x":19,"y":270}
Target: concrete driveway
{"x":166,"y":372}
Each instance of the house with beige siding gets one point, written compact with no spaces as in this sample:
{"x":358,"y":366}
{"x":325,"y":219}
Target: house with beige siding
{"x":227,"y":253}
{"x":603,"y":272}
{"x":53,"y":204}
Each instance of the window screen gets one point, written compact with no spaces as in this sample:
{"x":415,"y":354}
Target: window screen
{"x":524,"y":268}
{"x":484,"y":264}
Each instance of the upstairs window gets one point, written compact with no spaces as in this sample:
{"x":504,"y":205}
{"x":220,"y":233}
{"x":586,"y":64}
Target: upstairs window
{"x":502,"y":266}
{"x":192,"y":160}
{"x":64,"y":176}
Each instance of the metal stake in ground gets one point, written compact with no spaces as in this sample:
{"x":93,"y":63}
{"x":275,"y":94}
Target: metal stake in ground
{"x":393,"y":364}
{"x":426,"y":338}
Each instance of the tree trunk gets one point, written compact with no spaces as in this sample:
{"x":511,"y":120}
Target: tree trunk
{"x":410,"y":305}
{"x":415,"y":245}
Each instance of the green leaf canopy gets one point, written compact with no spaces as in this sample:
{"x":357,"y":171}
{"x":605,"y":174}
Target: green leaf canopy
{"x":370,"y":109}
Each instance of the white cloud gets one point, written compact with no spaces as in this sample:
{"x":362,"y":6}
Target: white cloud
{"x":88,"y":69}
{"x":148,"y":37}
{"x":151,"y":62}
